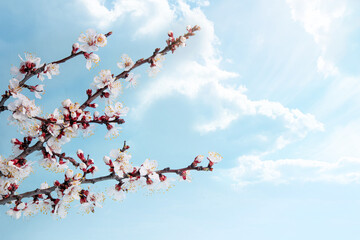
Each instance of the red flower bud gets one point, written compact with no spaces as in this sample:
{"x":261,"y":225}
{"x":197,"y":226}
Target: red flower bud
{"x":86,"y":55}
{"x":80,"y":155}
{"x":149,"y":181}
{"x":106,"y":94}
{"x":162,"y":178}
{"x":89,"y":92}
{"x":118,"y":187}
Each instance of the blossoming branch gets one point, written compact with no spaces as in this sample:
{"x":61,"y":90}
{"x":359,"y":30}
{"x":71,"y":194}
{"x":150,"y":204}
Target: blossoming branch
{"x":47,"y":134}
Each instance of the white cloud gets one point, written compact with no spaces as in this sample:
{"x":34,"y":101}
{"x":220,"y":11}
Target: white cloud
{"x":253,"y":170}
{"x":321,"y":19}
{"x":154,"y":14}
{"x":197,"y":73}
{"x":223,"y":121}
{"x":317,"y":16}
{"x":326,"y":67}
{"x":298,"y":123}
{"x":204,"y":79}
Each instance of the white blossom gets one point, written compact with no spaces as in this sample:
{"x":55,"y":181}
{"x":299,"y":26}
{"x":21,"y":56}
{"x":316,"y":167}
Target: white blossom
{"x":91,"y":58}
{"x":104,"y":79}
{"x":126,"y":62}
{"x":39,"y":89}
{"x":182,"y":41}
{"x":14,"y":86}
{"x":101,"y":40}
{"x":214,"y":157}
{"x":13,"y":213}
{"x":132,"y":80}
{"x":113,"y":132}
{"x":157,"y":61}
{"x":23,"y":108}
{"x":8,"y":167}
{"x":121,"y":163}
{"x":88,"y":40}
{"x":51,"y":69}
{"x":148,"y":167}
{"x":31,"y":62}
{"x":117,"y":110}
{"x":117,"y":195}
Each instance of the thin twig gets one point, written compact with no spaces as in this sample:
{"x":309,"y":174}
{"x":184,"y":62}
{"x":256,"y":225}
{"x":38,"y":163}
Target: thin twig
{"x":111,"y":176}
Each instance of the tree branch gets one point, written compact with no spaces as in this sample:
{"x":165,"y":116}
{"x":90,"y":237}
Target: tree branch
{"x":124,"y":74}
{"x":111,"y":176}
{"x":29,"y":75}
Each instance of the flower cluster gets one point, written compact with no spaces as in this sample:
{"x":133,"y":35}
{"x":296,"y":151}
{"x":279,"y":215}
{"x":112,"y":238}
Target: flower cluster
{"x":156,"y":64}
{"x":106,"y":81}
{"x":86,"y":165}
{"x":23,"y":109}
{"x":91,"y":41}
{"x":29,"y":65}
{"x":51,"y":69}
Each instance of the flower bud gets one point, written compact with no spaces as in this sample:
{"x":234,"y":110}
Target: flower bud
{"x":149,"y":181}
{"x":199,"y":158}
{"x":80,"y":154}
{"x":75,"y":48}
{"x":182,"y":39}
{"x":44,"y":185}
{"x":66,"y":112}
{"x":89,"y":92}
{"x":75,"y":127}
{"x":162,"y":177}
{"x":93,"y":169}
{"x":69,"y":173}
{"x":106,"y":94}
{"x":106,"y":160}
{"x":83,"y":166}
{"x":66,"y":103}
{"x":16,"y":141}
{"x":118,"y":187}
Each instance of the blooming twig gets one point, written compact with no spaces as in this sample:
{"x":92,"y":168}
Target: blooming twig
{"x":100,"y":91}
{"x":111,"y":176}
{"x":37,"y":71}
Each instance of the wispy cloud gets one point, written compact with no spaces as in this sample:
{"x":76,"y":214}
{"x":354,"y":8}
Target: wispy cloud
{"x":253,"y":170}
{"x":321,"y":19}
{"x":317,"y":16}
{"x":198,"y":75}
{"x":326,"y":67}
{"x":154,"y":15}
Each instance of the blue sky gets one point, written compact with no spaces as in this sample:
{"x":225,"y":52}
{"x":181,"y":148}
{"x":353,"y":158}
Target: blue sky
{"x":273,"y":86}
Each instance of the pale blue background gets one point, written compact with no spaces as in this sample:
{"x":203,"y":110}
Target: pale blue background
{"x":273,"y":49}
